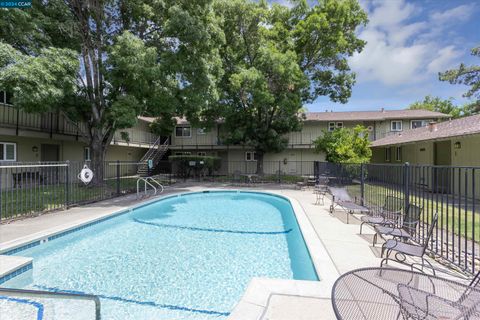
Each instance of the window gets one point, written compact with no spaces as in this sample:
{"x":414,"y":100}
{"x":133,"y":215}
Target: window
{"x":202,"y":154}
{"x":396,"y":125}
{"x":398,"y":154}
{"x":250,"y":156}
{"x":332,"y":125}
{"x":86,"y":154}
{"x":186,"y":153}
{"x":418,"y":123}
{"x":5,"y":97}
{"x":183,"y":132}
{"x":388,"y":153}
{"x":8,"y":151}
{"x":201,"y":131}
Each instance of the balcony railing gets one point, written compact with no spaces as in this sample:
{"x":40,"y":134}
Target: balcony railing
{"x":48,"y":122}
{"x":134,"y":136}
{"x":57,"y":123}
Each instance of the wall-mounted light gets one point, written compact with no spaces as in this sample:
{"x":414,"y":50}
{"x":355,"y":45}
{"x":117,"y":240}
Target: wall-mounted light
{"x":457,"y":145}
{"x":35,"y":149}
{"x":285,"y":161}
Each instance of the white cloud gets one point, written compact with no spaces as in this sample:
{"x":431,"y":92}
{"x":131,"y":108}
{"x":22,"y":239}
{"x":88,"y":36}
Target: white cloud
{"x":444,"y":60}
{"x":390,"y":13}
{"x":454,"y":15}
{"x":400,"y":51}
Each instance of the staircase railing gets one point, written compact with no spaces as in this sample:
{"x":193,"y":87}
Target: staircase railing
{"x":150,"y":151}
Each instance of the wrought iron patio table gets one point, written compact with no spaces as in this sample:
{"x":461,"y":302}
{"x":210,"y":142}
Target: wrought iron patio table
{"x":388,"y":293}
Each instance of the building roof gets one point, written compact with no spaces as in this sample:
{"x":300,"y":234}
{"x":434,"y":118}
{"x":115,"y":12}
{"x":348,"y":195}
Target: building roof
{"x":146,"y":119}
{"x":440,"y":131}
{"x":380,"y":115}
{"x":179,"y":120}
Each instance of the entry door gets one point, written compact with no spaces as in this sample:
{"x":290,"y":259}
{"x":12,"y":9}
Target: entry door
{"x":441,"y":175}
{"x":292,"y":163}
{"x":50,"y":152}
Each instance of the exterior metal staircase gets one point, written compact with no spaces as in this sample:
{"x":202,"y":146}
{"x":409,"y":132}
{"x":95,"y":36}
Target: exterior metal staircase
{"x":154,"y":154}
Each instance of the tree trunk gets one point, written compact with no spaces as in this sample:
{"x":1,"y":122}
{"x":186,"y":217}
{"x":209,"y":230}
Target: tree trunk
{"x":97,"y":154}
{"x":259,"y":162}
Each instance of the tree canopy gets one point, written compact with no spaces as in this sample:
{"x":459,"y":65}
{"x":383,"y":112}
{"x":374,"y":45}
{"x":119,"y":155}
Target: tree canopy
{"x":252,"y":64}
{"x":442,"y":105}
{"x":103,"y":63}
{"x":469,"y":76}
{"x":345,"y":145}
{"x":277,"y":58}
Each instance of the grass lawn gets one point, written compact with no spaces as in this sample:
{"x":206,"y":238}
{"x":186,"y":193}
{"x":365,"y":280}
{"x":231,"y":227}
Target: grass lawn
{"x":460,"y":220}
{"x":30,"y":200}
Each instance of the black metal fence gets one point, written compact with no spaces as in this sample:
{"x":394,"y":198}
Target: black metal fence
{"x":452,"y":191}
{"x":283,"y":172}
{"x":29,"y":188}
{"x":35,"y":187}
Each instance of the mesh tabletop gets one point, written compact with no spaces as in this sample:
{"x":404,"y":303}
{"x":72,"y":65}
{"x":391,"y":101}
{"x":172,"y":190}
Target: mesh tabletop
{"x":386,"y":293}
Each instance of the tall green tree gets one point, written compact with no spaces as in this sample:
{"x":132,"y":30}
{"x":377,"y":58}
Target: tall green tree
{"x":442,"y":105}
{"x":345,"y":145}
{"x":103,"y":63}
{"x":469,"y":76}
{"x":277,"y":58}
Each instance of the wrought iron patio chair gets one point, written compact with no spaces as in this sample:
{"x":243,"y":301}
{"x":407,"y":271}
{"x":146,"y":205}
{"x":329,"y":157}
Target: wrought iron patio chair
{"x":408,"y":228}
{"x":404,"y":249}
{"x":388,"y":214}
{"x":321,"y":189}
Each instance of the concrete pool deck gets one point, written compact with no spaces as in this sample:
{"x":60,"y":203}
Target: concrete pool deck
{"x":275,"y":299}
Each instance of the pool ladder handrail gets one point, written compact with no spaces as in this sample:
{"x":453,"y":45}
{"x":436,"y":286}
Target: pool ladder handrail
{"x":148,"y":181}
{"x":52,"y":294}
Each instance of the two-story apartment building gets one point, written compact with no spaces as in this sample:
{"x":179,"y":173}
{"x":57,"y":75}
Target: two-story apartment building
{"x":452,"y":146}
{"x":196,"y":141}
{"x":27,"y":137}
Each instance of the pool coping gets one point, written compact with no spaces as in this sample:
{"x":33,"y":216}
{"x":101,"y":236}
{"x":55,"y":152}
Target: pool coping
{"x":254,"y":301}
{"x":255,"y":298}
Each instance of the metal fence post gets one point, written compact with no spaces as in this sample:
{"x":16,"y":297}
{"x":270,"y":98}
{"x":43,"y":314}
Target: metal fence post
{"x":67,"y":184}
{"x":1,"y":194}
{"x":279,"y":174}
{"x":362,"y":184}
{"x":118,"y":177}
{"x":406,"y":185}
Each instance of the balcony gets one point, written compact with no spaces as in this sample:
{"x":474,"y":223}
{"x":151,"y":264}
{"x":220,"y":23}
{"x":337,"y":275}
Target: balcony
{"x":51,"y":123}
{"x":134,"y":137}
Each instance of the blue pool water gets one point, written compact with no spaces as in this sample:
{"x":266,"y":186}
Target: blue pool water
{"x":186,"y":257}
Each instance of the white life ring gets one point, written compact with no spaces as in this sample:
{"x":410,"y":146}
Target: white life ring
{"x":86,"y":175}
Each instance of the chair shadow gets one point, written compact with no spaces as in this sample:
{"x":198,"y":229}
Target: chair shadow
{"x":342,"y":216}
{"x":377,"y":250}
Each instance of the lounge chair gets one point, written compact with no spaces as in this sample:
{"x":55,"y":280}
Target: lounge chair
{"x":388,"y":214}
{"x":340,"y":198}
{"x":410,"y":249}
{"x":408,"y":228}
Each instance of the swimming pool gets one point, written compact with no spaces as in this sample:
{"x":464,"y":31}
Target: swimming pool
{"x":182,"y":257}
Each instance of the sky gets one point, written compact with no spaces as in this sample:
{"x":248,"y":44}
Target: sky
{"x":408,"y":43}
